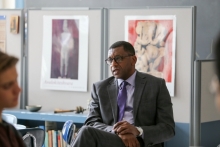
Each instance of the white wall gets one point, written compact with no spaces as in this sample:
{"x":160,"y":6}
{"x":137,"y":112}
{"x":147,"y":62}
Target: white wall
{"x":1,"y":3}
{"x":182,"y":95}
{"x":52,"y":99}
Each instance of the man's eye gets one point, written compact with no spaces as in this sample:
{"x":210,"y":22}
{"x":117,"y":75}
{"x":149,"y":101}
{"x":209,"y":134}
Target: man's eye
{"x":110,"y":59}
{"x":118,"y":58}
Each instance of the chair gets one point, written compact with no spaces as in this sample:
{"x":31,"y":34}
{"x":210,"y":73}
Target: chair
{"x":68,"y":131}
{"x":33,"y":137}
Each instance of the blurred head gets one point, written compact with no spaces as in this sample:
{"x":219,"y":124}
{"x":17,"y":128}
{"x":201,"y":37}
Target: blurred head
{"x":217,"y":67}
{"x":121,"y":59}
{"x":9,"y":89}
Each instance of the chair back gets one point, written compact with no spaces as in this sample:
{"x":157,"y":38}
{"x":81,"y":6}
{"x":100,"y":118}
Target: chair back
{"x":9,"y":118}
{"x":33,"y":137}
{"x":68,"y":131}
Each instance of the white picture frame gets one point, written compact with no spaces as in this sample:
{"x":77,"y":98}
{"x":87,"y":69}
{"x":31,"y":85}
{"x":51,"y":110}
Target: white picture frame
{"x":65,"y":53}
{"x":154,"y":40}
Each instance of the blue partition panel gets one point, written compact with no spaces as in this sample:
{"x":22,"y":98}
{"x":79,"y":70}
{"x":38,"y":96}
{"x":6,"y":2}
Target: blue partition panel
{"x":210,"y":134}
{"x":181,"y":138}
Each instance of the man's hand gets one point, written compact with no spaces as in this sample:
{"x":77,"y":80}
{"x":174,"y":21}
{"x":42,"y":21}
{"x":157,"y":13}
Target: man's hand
{"x":129,"y":140}
{"x":123,"y":128}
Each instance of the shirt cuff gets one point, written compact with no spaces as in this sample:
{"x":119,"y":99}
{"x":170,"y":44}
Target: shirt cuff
{"x":140,"y":130}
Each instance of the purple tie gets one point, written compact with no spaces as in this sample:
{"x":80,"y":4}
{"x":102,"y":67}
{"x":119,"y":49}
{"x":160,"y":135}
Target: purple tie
{"x":122,"y":97}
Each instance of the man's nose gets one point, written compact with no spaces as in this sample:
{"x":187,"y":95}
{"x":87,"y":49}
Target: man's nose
{"x":114,"y":62}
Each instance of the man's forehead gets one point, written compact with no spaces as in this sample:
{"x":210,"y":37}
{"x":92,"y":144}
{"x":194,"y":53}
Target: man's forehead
{"x":116,"y":51}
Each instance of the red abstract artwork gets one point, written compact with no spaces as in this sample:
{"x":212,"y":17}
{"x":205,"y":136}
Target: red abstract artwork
{"x":153,"y":43}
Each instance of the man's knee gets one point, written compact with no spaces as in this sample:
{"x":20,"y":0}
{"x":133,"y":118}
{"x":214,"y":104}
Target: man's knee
{"x":86,"y":129}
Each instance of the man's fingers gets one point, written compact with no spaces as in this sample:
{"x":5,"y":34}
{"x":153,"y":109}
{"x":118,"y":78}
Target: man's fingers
{"x":126,"y":128}
{"x":118,"y":124}
{"x":120,"y":129}
{"x":129,"y":140}
{"x":134,"y":143}
{"x":123,"y":130}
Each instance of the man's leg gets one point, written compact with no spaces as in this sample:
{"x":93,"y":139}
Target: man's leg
{"x":92,"y":137}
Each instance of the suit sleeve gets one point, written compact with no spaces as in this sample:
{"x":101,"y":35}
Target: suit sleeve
{"x":164,"y":127}
{"x":94,"y":118}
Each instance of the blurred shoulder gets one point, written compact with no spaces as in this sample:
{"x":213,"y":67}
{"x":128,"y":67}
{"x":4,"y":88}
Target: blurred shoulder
{"x":148,"y":77}
{"x":105,"y":82}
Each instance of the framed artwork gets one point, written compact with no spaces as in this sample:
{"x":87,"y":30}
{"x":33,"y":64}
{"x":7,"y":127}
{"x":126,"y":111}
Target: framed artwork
{"x":65,"y":53}
{"x":14,"y":24}
{"x":154,"y":40}
{"x":2,"y":33}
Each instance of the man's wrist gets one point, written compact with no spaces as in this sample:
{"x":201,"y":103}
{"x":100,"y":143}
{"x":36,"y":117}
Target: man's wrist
{"x":140,"y":130}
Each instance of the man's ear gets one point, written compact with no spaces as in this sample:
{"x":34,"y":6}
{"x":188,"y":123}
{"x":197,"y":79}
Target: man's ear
{"x":134,"y":59}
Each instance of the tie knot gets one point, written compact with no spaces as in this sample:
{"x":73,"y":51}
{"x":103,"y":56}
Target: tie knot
{"x":123,"y":84}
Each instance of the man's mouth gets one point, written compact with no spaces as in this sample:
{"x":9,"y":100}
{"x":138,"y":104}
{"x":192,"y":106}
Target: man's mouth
{"x":115,"y":71}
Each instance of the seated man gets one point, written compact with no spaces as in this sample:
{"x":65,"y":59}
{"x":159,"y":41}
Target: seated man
{"x":129,"y":109}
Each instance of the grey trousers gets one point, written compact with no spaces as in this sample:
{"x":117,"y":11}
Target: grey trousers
{"x":92,"y":137}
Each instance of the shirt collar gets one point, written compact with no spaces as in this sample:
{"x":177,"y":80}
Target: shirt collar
{"x":130,"y":80}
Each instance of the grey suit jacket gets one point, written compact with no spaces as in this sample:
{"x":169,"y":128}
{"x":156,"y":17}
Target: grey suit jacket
{"x":152,"y":108}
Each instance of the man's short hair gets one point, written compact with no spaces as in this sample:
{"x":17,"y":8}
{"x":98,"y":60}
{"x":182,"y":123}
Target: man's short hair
{"x":126,"y":45}
{"x":7,"y":61}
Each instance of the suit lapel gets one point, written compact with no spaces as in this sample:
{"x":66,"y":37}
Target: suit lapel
{"x":112,"y":92}
{"x":139,"y":87}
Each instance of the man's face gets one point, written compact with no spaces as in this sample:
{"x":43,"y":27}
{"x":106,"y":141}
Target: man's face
{"x":9,"y":89}
{"x":126,"y":67}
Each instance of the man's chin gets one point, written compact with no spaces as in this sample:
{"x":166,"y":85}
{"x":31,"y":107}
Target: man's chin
{"x":116,"y":75}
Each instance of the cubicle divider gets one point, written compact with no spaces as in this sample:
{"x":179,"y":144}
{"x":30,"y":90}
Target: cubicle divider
{"x":184,"y":58}
{"x":13,"y":43}
{"x":51,"y":99}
